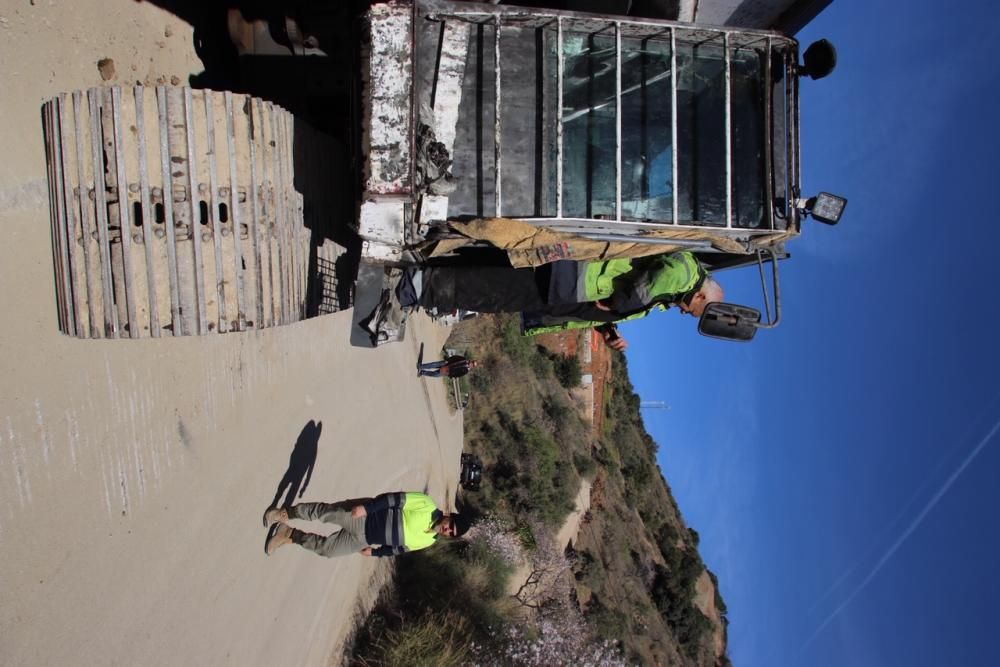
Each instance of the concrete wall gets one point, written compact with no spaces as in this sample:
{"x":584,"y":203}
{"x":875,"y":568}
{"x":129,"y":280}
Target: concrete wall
{"x":787,"y":16}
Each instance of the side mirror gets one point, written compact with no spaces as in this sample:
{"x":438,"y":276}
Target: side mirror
{"x":729,"y":321}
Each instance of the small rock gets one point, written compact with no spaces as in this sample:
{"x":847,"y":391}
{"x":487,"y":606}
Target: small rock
{"x":175,"y":80}
{"x":167,"y":32}
{"x":106,"y":66}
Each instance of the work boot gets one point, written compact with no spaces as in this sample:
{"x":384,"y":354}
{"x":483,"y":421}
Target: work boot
{"x":279,"y":535}
{"x":274,"y":515}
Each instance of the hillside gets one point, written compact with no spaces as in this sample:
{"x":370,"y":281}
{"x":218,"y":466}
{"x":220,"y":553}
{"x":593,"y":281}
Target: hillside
{"x":647,"y":588}
{"x":632,"y":589}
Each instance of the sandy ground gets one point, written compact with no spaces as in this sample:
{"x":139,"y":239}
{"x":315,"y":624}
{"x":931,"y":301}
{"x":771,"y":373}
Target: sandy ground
{"x":571,"y":526}
{"x":133,"y":474}
{"x":567,"y":533}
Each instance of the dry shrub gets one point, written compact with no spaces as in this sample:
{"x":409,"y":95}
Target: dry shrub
{"x":432,"y":640}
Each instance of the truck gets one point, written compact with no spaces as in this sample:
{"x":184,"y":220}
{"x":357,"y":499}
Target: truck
{"x":599,"y":135}
{"x":550,"y":134}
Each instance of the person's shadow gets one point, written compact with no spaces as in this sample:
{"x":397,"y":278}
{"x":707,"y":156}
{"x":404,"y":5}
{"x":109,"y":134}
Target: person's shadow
{"x":300,"y":465}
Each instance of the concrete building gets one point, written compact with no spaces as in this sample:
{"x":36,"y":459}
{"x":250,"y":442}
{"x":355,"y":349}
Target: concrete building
{"x":788,"y":16}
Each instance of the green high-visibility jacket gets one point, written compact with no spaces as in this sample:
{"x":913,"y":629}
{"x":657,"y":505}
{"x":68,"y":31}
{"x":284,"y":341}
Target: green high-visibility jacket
{"x":418,"y":517}
{"x":631,"y":287}
{"x":400,"y":522}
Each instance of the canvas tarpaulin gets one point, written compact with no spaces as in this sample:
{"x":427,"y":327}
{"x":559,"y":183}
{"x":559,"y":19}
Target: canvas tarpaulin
{"x":529,"y":245}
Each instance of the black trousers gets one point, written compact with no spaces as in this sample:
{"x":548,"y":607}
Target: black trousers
{"x":498,"y":289}
{"x":485,"y":289}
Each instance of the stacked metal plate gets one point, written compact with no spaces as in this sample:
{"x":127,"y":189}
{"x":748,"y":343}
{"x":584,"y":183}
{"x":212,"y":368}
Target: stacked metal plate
{"x":174,"y":213}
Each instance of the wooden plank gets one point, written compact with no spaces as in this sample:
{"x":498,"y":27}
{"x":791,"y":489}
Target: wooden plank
{"x":192,"y":196}
{"x":124,"y":222}
{"x":293,"y":220}
{"x":168,"y":211}
{"x":86,"y":208}
{"x":255,"y":214}
{"x":147,"y":213}
{"x":234,"y":213}
{"x":269,"y":231}
{"x":55,"y":211}
{"x":278,"y":213}
{"x":72,"y":261}
{"x":101,"y":207}
{"x":222,"y":322}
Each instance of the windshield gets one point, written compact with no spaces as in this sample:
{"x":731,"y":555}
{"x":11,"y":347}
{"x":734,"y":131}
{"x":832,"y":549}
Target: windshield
{"x":648,"y":188}
{"x":559,"y":111}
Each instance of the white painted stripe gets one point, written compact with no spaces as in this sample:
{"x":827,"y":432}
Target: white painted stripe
{"x":43,"y":433}
{"x":18,"y":464}
{"x":72,"y":436}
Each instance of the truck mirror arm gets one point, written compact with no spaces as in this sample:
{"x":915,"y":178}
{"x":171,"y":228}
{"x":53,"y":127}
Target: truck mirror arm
{"x":775,"y":285}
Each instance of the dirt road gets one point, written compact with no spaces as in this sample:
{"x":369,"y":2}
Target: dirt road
{"x":133,"y":474}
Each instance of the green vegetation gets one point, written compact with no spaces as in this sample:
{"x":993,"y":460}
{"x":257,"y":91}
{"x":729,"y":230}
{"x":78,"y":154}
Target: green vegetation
{"x":523,"y":425}
{"x":568,"y":371}
{"x":635,"y":564}
{"x":432,"y":640}
{"x":636,"y":580}
{"x":441,"y":601}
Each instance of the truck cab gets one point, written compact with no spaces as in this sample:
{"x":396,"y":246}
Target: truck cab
{"x":645,"y":136}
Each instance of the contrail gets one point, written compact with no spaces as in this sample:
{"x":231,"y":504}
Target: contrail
{"x":906,"y":533}
{"x":896,"y":519}
{"x":914,"y":497}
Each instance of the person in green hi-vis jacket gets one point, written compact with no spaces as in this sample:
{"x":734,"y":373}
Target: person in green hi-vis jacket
{"x":388,"y":525}
{"x":568,"y":294}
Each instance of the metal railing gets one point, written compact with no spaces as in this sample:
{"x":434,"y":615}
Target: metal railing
{"x":732,"y":40}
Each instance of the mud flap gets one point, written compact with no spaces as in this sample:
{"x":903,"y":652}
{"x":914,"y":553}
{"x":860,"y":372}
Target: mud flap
{"x":372,"y":322}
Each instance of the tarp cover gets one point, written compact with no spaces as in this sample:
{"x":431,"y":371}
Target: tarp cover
{"x":529,"y":245}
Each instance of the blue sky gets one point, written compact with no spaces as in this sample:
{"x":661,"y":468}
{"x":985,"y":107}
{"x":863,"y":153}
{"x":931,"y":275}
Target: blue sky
{"x":843,"y":469}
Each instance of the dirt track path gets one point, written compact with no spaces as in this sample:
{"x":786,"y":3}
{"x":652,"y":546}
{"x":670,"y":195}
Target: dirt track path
{"x":567,"y":533}
{"x":133,"y":473}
